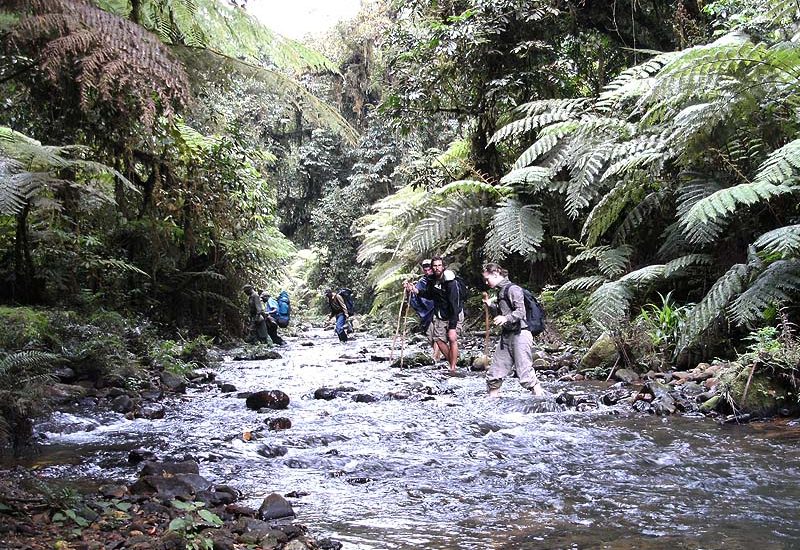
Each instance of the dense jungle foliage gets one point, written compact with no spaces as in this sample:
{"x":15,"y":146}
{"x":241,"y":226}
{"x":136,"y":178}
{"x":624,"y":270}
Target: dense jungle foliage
{"x":637,"y":160}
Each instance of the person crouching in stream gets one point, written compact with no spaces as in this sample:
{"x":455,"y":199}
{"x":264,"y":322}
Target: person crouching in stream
{"x":515,"y":349}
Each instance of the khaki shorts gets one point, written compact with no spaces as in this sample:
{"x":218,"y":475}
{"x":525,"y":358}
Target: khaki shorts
{"x":437,"y":330}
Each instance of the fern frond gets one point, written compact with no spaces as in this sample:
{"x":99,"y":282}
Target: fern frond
{"x":533,"y":122}
{"x":452,"y":217}
{"x":679,"y":265}
{"x":582,"y":284}
{"x":710,"y":214}
{"x":714,"y":303}
{"x":649,"y":206}
{"x":644,"y":275}
{"x":607,"y":211}
{"x":781,"y":166}
{"x":474,"y":187}
{"x":777,"y":285}
{"x":608,"y":305}
{"x":532,"y":178}
{"x":514,"y":229}
{"x":784,"y":241}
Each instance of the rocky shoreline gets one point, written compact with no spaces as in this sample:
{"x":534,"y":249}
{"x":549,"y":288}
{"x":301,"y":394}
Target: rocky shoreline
{"x":172,"y":506}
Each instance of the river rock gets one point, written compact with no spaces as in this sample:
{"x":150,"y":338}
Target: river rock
{"x":602,"y":353}
{"x":170,"y":468}
{"x":166,"y":487}
{"x":480,"y":363}
{"x":122,"y":404}
{"x":64,"y":374}
{"x":138,"y":455}
{"x":227,"y":388}
{"x":626,"y":375}
{"x":663,"y":405}
{"x":268,"y":399}
{"x":326,"y":393}
{"x":275,"y":507}
{"x":279,"y":423}
{"x":364,"y":398}
{"x":272,"y":451}
{"x":413,"y":360}
{"x":173,"y":382}
{"x":151,"y":411}
{"x":615,"y":396}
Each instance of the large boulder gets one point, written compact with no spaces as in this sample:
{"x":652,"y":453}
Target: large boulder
{"x":268,"y":399}
{"x":765,"y":396}
{"x":275,"y":507}
{"x":603,"y":353}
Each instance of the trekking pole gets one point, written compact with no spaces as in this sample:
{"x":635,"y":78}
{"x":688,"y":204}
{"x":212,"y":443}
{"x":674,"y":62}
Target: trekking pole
{"x":399,"y":316}
{"x":486,"y":338}
{"x":405,"y":320}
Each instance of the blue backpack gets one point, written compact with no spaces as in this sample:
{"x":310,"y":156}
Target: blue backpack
{"x":284,"y":309}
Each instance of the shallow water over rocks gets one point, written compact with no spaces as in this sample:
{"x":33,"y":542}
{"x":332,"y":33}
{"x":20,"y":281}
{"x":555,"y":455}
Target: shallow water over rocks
{"x":416,"y":458}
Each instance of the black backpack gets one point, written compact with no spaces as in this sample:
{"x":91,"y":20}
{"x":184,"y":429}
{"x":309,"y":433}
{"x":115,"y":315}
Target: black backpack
{"x":347,"y":296}
{"x":534,"y":313}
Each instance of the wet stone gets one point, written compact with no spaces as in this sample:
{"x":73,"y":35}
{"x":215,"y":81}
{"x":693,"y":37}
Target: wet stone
{"x":326,"y":393}
{"x":364,"y":398}
{"x":275,"y":507}
{"x":272,"y":451}
{"x":173,"y":382}
{"x":122,"y":404}
{"x":279,"y":423}
{"x":268,"y":399}
{"x":227,"y":388}
{"x":171,"y":468}
{"x":615,"y":396}
{"x":626,"y":375}
{"x":151,"y":412}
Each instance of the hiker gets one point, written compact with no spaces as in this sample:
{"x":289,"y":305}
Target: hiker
{"x":340,"y":312}
{"x":258,"y":325}
{"x":423,"y":306}
{"x":444,"y":289}
{"x":515,"y":349}
{"x":270,"y":311}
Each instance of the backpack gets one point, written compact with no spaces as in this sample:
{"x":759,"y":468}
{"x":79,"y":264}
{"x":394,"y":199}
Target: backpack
{"x":463,"y":291}
{"x":284,"y":309}
{"x":347,"y":296}
{"x":534,"y":313}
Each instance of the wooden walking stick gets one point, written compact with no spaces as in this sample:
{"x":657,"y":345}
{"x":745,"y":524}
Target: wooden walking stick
{"x":405,"y":319}
{"x":486,"y":338}
{"x":399,"y":317}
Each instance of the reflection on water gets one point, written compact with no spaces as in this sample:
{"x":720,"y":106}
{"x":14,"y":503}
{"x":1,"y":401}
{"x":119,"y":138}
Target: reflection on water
{"x":448,"y":468}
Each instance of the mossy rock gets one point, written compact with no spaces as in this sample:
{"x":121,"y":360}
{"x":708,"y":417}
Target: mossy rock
{"x":603,"y":353}
{"x":765,"y":396}
{"x":414,"y":360}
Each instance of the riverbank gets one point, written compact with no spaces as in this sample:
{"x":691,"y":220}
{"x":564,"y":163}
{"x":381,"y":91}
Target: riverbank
{"x":363,"y":449}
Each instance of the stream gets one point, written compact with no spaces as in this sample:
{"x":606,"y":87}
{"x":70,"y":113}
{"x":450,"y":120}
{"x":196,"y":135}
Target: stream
{"x":433,"y":463}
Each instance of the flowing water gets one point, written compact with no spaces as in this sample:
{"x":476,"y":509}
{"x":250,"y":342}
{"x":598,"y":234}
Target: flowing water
{"x":448,"y":468}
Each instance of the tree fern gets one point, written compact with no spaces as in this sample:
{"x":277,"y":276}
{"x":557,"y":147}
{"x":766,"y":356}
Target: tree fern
{"x":784,"y":241}
{"x":582,"y":284}
{"x":457,"y":214}
{"x":777,"y":285}
{"x":531,"y":179}
{"x":680,"y":265}
{"x":608,"y":305}
{"x":514,"y":229}
{"x":714,"y":303}
{"x":709,"y":215}
{"x":607,"y":211}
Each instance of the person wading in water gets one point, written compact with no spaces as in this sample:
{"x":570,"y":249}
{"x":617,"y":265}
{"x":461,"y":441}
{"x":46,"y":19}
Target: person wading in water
{"x":515,"y":349}
{"x":448,"y":309}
